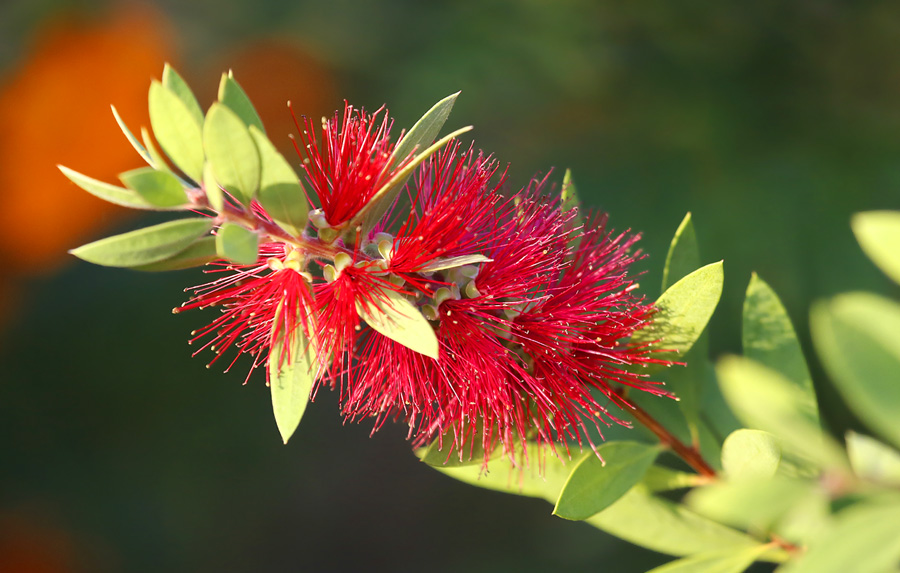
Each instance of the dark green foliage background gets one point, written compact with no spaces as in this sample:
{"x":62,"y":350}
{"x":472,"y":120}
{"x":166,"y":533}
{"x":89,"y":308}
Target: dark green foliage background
{"x":771,"y":121}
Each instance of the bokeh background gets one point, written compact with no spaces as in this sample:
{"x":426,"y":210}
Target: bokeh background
{"x":771,"y":121}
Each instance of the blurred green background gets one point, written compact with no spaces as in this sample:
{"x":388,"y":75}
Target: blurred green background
{"x":771,"y":121}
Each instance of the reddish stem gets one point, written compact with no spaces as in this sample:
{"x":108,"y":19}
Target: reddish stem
{"x":690,"y":455}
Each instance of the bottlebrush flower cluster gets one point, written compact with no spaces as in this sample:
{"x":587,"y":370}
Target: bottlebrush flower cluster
{"x":417,"y":289}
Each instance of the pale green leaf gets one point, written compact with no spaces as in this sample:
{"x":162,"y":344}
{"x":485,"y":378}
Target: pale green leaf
{"x":197,"y":254}
{"x":382,"y":200}
{"x":453,"y":262}
{"x":660,"y":478}
{"x":570,"y":201}
{"x":423,"y":133}
{"x":391,"y":314}
{"x":159,"y":162}
{"x":443,"y":452}
{"x":769,"y":338}
{"x":280,"y":191}
{"x":292,"y":373}
{"x":684,"y":253}
{"x":538,"y":473}
{"x":878,"y":233}
{"x":857,"y":336}
{"x":750,"y":454}
{"x":142,"y":151}
{"x":177,"y":130}
{"x":733,"y":560}
{"x":158,"y":188}
{"x":872,"y":460}
{"x":237,"y":244}
{"x":174,"y":82}
{"x":214,"y":193}
{"x":107,"y":192}
{"x":754,"y":504}
{"x":683,"y":311}
{"x":144,"y":246}
{"x":231,"y":151}
{"x":233,"y":95}
{"x":864,"y":538}
{"x":665,"y":526}
{"x":764,"y":400}
{"x":594,"y":484}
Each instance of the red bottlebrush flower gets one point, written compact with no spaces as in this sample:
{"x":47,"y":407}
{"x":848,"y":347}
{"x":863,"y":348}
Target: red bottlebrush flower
{"x":352,"y":162}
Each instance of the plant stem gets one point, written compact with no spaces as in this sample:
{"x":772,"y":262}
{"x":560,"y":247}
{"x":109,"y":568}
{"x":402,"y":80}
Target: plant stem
{"x":691,"y":455}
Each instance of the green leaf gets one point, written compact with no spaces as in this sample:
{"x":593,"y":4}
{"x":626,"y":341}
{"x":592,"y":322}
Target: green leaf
{"x":729,"y":561}
{"x":539,"y":472}
{"x":214,"y":193}
{"x":765,"y":400}
{"x":594,"y":485}
{"x":233,"y":95}
{"x":878,"y":233}
{"x":871,"y":460}
{"x":177,"y":130}
{"x":864,"y":538}
{"x":144,"y":246}
{"x":292,"y":373}
{"x":752,"y":504}
{"x":159,"y":162}
{"x":107,"y":192}
{"x":197,"y":254}
{"x":237,"y":244}
{"x":660,"y":478}
{"x":684,"y":254}
{"x":453,"y":262}
{"x":750,"y":454}
{"x":391,"y":314}
{"x":857,"y":336}
{"x":417,"y":140}
{"x":174,"y":83}
{"x":769,"y":338}
{"x":442,"y":452}
{"x":159,"y":188}
{"x":280,"y":191}
{"x":664,"y":526}
{"x":382,"y":200}
{"x":683,"y":311}
{"x":232,"y":153}
{"x":132,"y":139}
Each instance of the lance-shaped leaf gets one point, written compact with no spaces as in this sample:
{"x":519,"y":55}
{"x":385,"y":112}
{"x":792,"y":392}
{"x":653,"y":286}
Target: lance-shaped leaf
{"x":569,"y":201}
{"x":443,"y":452}
{"x":142,"y":151}
{"x":144,"y":246}
{"x":417,"y":140}
{"x":159,"y":162}
{"x":107,"y":192}
{"x":769,"y":338}
{"x":664,"y":526}
{"x":453,"y":262}
{"x":280,"y":191}
{"x":237,"y":244}
{"x":733,"y":560}
{"x":878,"y":233}
{"x":177,"y":85}
{"x":214,"y":193}
{"x":158,"y":188}
{"x":292,"y":372}
{"x":233,"y":95}
{"x":594,"y":484}
{"x":231,"y":151}
{"x":177,"y":130}
{"x":856,"y":334}
{"x":688,"y":383}
{"x":684,"y":310}
{"x":391,"y":314}
{"x":765,"y":400}
{"x":659,"y":478}
{"x":197,"y":254}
